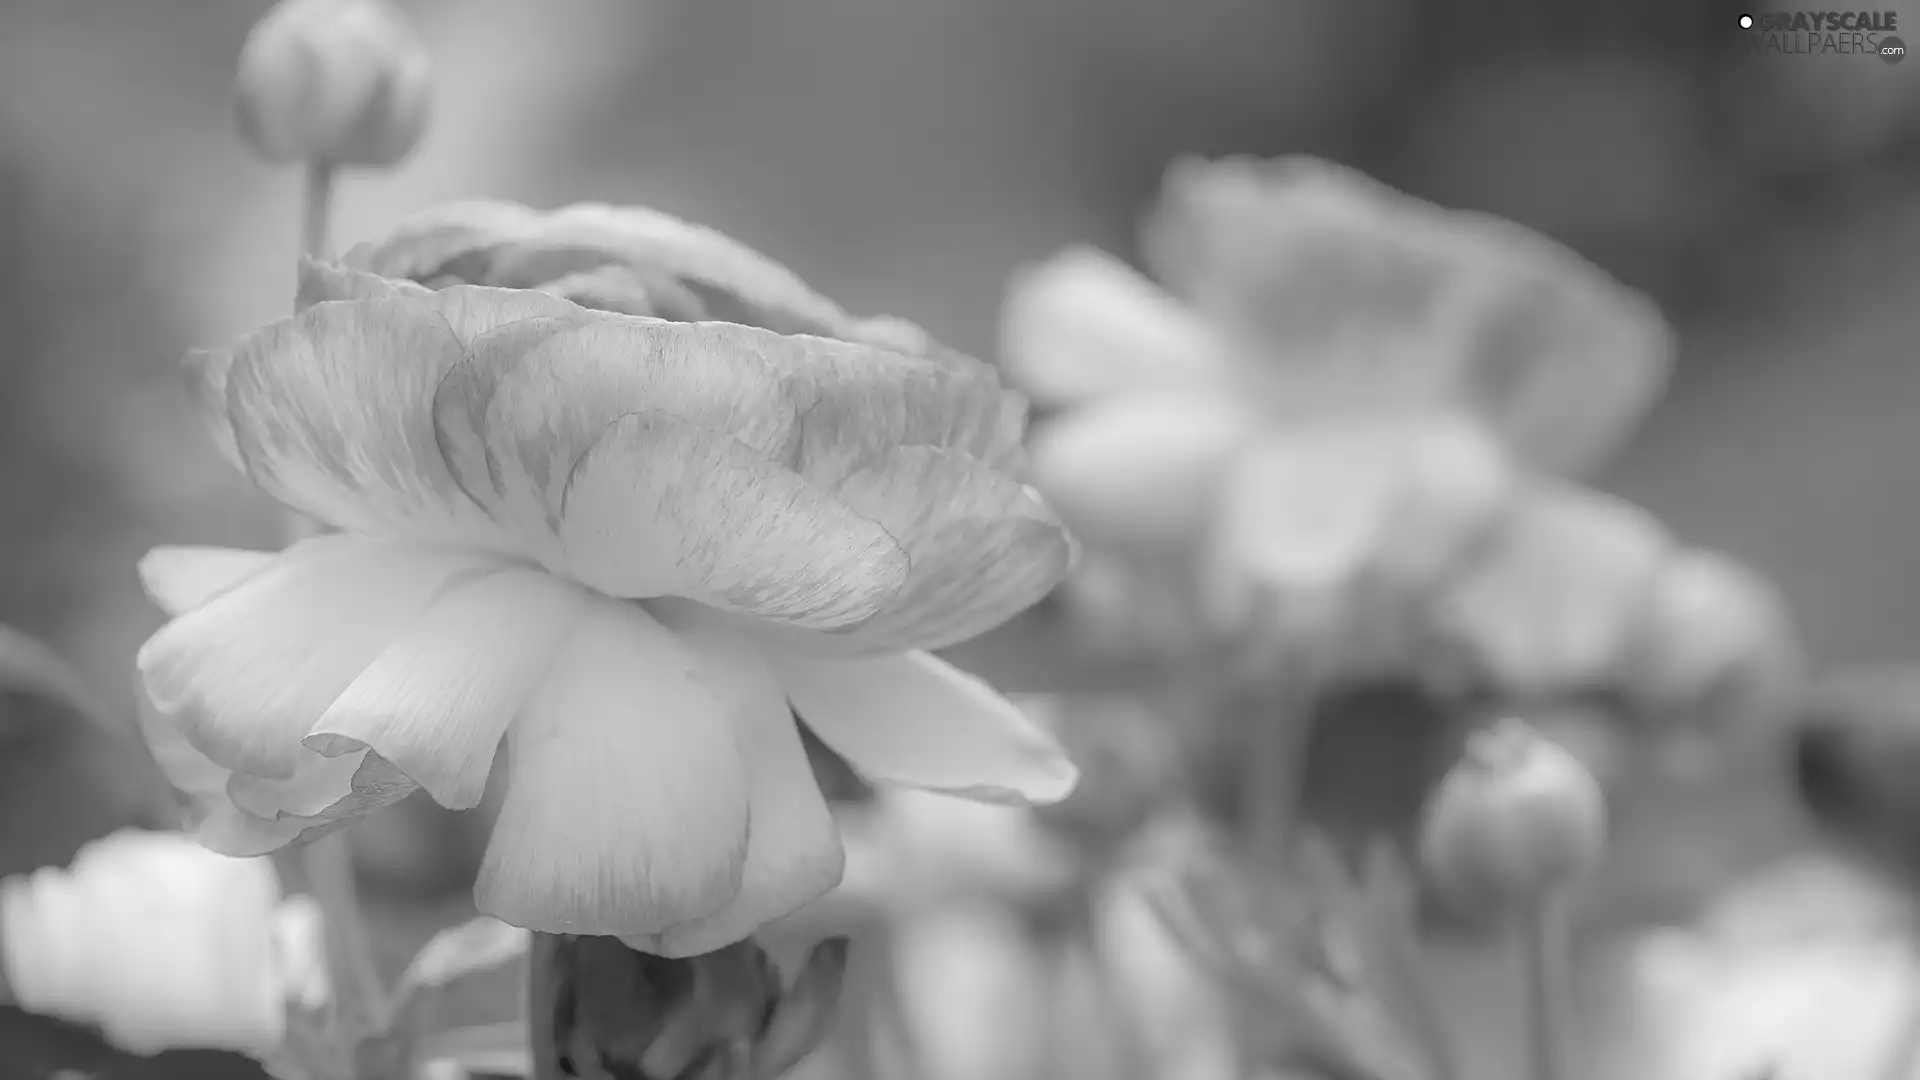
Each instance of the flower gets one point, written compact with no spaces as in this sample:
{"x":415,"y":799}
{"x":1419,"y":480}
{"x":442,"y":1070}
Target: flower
{"x":629,"y":547}
{"x":335,"y":82}
{"x":1515,"y":820}
{"x":163,"y":944}
{"x":1805,"y":969}
{"x":1331,"y":403}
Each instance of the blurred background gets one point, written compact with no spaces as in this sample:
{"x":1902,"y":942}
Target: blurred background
{"x":904,"y":156}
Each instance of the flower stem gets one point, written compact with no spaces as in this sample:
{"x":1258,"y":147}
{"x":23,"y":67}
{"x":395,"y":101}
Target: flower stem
{"x":316,"y":208}
{"x":1545,"y":948}
{"x":358,"y":988}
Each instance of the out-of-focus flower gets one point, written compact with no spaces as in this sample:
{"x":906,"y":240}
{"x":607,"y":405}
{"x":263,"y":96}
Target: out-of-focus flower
{"x":1807,"y":970}
{"x":162,"y":944}
{"x":728,"y":1015}
{"x":1325,"y":411}
{"x":334,"y":82}
{"x":625,"y":545}
{"x":1516,"y":819}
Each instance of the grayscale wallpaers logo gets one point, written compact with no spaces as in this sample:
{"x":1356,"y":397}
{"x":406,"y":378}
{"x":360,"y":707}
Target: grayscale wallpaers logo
{"x":1823,"y":33}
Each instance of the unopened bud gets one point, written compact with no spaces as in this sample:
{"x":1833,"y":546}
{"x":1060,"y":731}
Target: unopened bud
{"x":602,"y":1009}
{"x":1517,"y":818}
{"x":335,"y":82}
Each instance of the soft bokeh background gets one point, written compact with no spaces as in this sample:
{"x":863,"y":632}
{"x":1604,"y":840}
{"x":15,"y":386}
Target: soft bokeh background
{"x":904,"y":155}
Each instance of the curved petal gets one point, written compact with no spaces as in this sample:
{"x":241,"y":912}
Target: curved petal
{"x":1548,"y":603}
{"x":1084,"y":325}
{"x":793,"y":849}
{"x":533,"y":395}
{"x":438,"y":701}
{"x":332,"y":415}
{"x":423,"y":244}
{"x":743,"y":285}
{"x":913,"y":719}
{"x":180,"y":579}
{"x":858,"y":404}
{"x":249,"y":673}
{"x":980,"y":548}
{"x":321,"y":281}
{"x":626,"y":804}
{"x":661,"y":507}
{"x":1139,"y":472}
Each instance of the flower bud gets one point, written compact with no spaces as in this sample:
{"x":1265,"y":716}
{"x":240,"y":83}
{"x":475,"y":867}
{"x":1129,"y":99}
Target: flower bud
{"x":1517,"y":818}
{"x":602,"y":1009}
{"x":335,"y":82}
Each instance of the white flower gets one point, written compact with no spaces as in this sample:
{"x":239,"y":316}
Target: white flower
{"x":162,"y":944}
{"x":631,"y":549}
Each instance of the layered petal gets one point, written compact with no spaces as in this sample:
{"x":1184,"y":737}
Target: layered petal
{"x":1547,"y":605}
{"x":331,"y":415}
{"x":912,"y":719}
{"x":626,"y":810}
{"x":793,"y":853}
{"x":438,"y":700}
{"x":249,"y":673}
{"x":1140,"y":472}
{"x":980,"y":547}
{"x":1084,"y":325}
{"x":659,"y":507}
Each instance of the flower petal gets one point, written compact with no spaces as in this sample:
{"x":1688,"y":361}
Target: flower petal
{"x":1549,"y":602}
{"x":913,"y":719}
{"x":793,"y":849}
{"x":662,"y":507}
{"x":1084,"y":325}
{"x":533,"y":395}
{"x":626,"y":804}
{"x":438,"y":701}
{"x":180,"y":579}
{"x":249,"y":673}
{"x":421,"y":246}
{"x":332,"y":415}
{"x":321,"y":281}
{"x":980,"y":547}
{"x":1139,"y":472}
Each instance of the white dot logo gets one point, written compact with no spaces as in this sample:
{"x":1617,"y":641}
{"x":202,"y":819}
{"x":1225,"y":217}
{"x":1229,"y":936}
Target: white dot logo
{"x":1746,"y":22}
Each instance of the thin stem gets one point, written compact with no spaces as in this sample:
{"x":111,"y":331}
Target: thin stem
{"x":328,"y":862}
{"x":1545,"y":947}
{"x":542,"y":1005}
{"x":1904,"y":1062}
{"x":316,"y":208}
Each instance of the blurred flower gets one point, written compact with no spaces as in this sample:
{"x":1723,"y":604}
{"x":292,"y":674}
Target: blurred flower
{"x":623,"y":544}
{"x":1517,"y":818}
{"x":1323,"y":414}
{"x":1806,"y":970}
{"x":334,"y":82}
{"x":162,"y":944}
{"x":728,"y":1015}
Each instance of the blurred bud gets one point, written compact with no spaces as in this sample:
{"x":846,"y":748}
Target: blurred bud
{"x":1516,"y":819}
{"x":1546,"y":607}
{"x":1712,"y":643}
{"x":162,"y":944}
{"x":334,"y":82}
{"x":602,"y":1009}
{"x":1856,"y":751}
